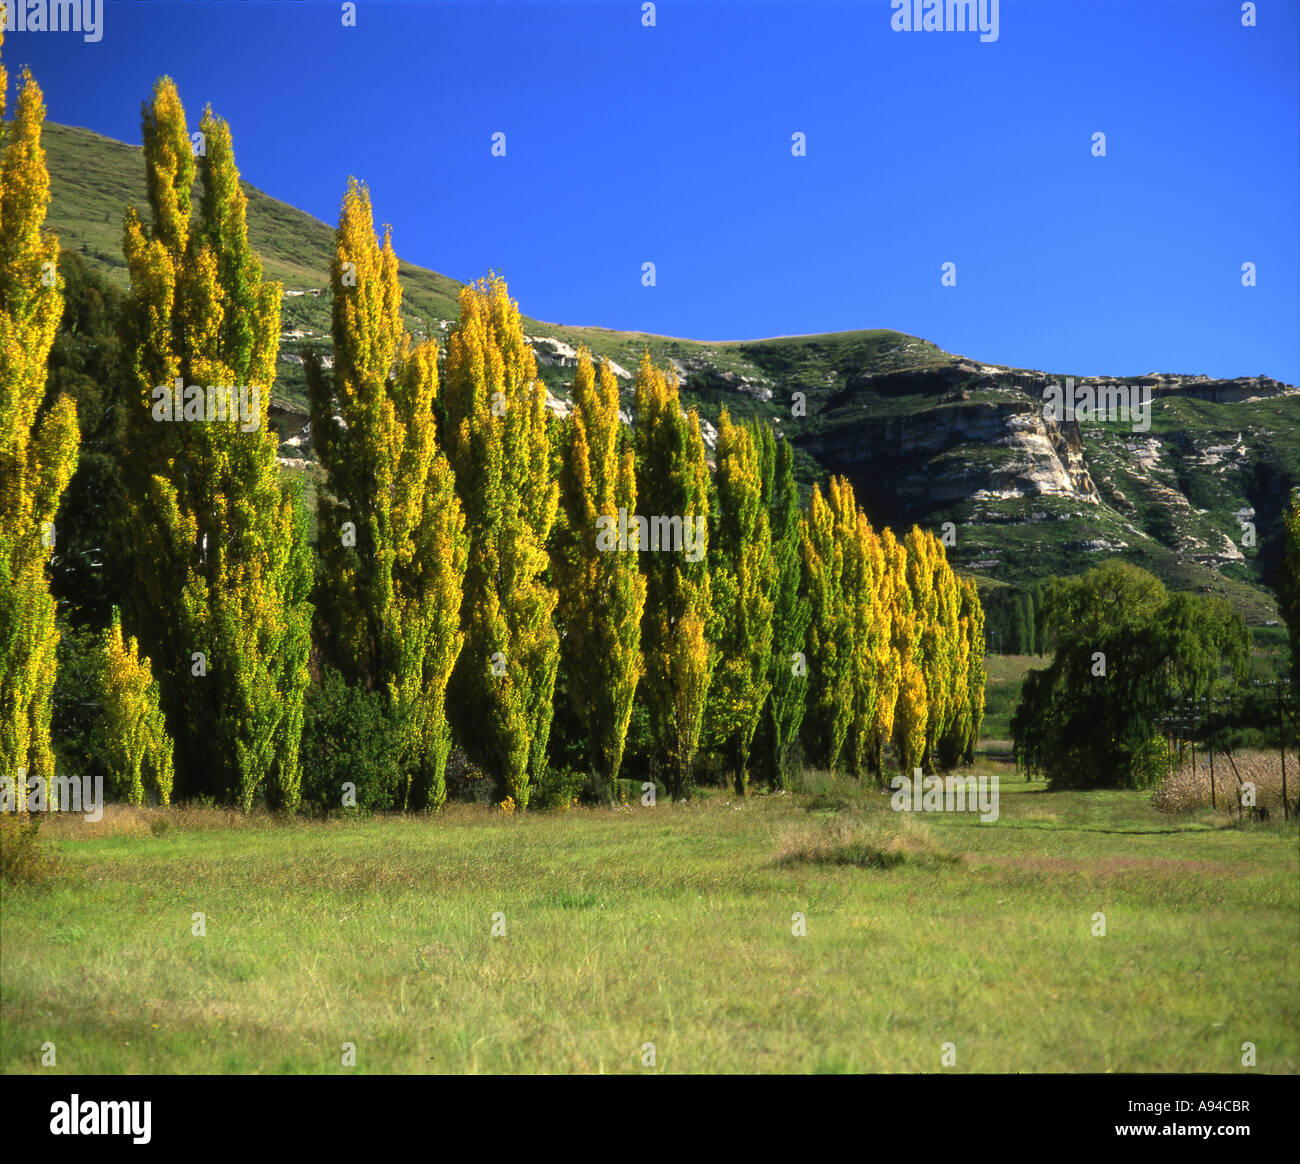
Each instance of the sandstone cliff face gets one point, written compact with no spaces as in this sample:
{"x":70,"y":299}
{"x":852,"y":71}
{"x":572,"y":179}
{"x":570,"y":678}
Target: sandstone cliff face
{"x":980,"y":433}
{"x":986,"y":449}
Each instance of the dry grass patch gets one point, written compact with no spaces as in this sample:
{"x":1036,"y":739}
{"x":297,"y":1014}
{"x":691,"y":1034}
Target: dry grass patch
{"x":1188,"y":788}
{"x":866,"y":842}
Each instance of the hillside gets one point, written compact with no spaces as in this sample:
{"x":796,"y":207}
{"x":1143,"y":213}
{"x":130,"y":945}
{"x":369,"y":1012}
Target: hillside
{"x":927,"y":436}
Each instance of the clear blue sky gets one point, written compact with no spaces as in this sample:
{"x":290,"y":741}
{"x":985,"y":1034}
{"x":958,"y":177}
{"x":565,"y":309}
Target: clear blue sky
{"x":672,"y":144}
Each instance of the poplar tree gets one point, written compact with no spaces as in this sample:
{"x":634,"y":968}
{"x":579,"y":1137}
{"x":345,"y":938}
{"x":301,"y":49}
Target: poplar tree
{"x":391,"y":529}
{"x":601,"y":587}
{"x":500,"y":450}
{"x":935,"y":605}
{"x":893,"y":604}
{"x":673,"y":489}
{"x":788,"y":665}
{"x":830,"y":631}
{"x":1288,"y":587}
{"x":38,"y":448}
{"x":218,"y":543}
{"x":742,"y":580}
{"x":975,"y":675}
{"x":131,"y":730}
{"x":864,"y":563}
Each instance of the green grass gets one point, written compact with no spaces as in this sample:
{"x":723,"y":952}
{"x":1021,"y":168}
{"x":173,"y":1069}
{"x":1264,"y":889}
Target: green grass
{"x":669,"y":925}
{"x":1006,"y":675}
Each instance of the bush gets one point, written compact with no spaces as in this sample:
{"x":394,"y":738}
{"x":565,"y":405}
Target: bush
{"x":24,"y":860}
{"x":350,"y":735}
{"x":630,"y":792}
{"x":559,"y":788}
{"x":1150,"y":765}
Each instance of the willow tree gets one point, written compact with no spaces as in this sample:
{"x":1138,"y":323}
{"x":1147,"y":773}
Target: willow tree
{"x":787,"y":665}
{"x":217,"y":541}
{"x":742,"y":579}
{"x":38,"y":447}
{"x":392,"y":533}
{"x":673,"y":494}
{"x":601,"y":587}
{"x":131,"y":730}
{"x":500,"y":450}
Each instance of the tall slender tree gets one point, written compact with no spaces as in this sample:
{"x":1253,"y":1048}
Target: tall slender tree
{"x":973,"y":673}
{"x":673,"y":491}
{"x":392,"y":532}
{"x":864,"y":562}
{"x":935,"y":602}
{"x":788,"y":665}
{"x":1288,"y":587}
{"x":38,"y":447}
{"x":500,"y":450}
{"x":601,"y":587}
{"x":742,"y":578}
{"x":219,"y":543}
{"x":831,"y":629}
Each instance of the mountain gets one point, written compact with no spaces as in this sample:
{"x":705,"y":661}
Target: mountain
{"x":927,"y":436}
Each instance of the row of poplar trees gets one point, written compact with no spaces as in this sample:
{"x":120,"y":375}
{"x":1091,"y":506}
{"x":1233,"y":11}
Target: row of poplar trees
{"x":458,"y":567}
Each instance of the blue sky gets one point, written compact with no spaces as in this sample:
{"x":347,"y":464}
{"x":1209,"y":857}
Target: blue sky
{"x":672,"y":145}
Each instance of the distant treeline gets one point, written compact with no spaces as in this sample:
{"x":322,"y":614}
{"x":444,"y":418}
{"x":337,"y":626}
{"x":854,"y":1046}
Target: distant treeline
{"x":1013,"y":619}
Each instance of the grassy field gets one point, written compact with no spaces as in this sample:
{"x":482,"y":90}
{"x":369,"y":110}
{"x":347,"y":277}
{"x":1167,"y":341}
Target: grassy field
{"x":669,"y":925}
{"x":1006,"y":676}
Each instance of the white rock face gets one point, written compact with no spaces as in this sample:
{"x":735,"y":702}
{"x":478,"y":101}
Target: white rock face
{"x":708,"y":433}
{"x":556,"y":405}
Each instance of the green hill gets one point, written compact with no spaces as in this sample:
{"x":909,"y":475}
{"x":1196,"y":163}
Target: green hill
{"x":927,"y":436}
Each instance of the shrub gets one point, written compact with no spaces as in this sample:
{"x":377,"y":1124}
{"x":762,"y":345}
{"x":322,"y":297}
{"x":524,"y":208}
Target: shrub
{"x":24,"y":860}
{"x":631,"y":791}
{"x":1150,"y":765}
{"x":350,"y":735}
{"x":559,"y":787}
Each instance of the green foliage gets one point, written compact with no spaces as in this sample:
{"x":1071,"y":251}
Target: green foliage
{"x":1150,"y":765}
{"x":351,"y":735}
{"x":742,"y":584}
{"x":1288,"y":582}
{"x":132,"y":736}
{"x":679,"y":621}
{"x":85,"y":365}
{"x":393,"y":544}
{"x":217,"y":540}
{"x":561,"y":786}
{"x":1126,"y":652}
{"x":500,"y":450}
{"x":38,"y":444}
{"x":601,"y":591}
{"x":778,"y":733}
